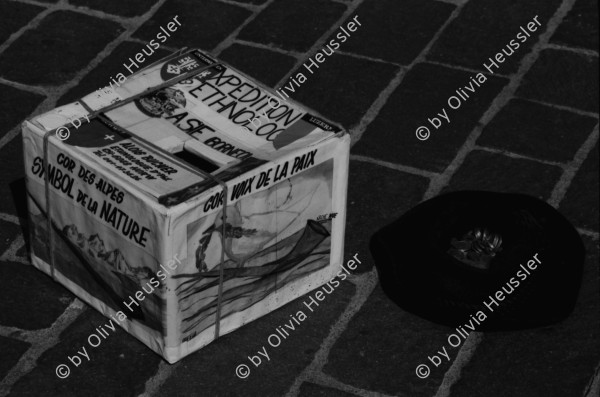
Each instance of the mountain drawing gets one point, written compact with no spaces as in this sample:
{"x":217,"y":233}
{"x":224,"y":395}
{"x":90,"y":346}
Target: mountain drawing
{"x":102,"y":272}
{"x":95,"y":247}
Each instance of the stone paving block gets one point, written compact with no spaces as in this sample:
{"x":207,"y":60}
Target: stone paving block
{"x":580,"y":205}
{"x":343,"y":88}
{"x":483,"y":28}
{"x":108,"y":69}
{"x":31,"y":300}
{"x":129,"y":8}
{"x":383,"y":345}
{"x":19,"y":13}
{"x":557,"y":360}
{"x":211,"y":371}
{"x":496,"y":172}
{"x":267,"y":66}
{"x":16,"y":105}
{"x":204,"y":23}
{"x":423,"y":93}
{"x":580,"y":27}
{"x":12,"y":350}
{"x":12,"y":191}
{"x":388,"y":30}
{"x":563,"y":78}
{"x":311,"y":390}
{"x":537,"y":130}
{"x":293,"y":24}
{"x":63,"y":43}
{"x":376,"y":196}
{"x":118,"y":366}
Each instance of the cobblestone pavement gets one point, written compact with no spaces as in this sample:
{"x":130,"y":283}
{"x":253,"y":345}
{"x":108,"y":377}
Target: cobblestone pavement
{"x":531,"y":127}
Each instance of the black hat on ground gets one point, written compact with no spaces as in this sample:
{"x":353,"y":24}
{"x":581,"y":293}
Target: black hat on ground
{"x":509,"y":261}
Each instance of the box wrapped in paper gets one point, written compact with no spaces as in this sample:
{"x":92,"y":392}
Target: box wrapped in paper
{"x":187,"y":201}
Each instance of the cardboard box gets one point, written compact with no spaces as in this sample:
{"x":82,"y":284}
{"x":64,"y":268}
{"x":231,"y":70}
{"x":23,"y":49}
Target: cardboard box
{"x":179,"y":211}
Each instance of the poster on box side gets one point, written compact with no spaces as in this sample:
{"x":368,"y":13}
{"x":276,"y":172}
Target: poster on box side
{"x":106,"y":240}
{"x":278,"y":230}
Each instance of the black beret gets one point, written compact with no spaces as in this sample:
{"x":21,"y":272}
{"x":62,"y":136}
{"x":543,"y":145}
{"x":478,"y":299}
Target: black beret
{"x":508,"y":261}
